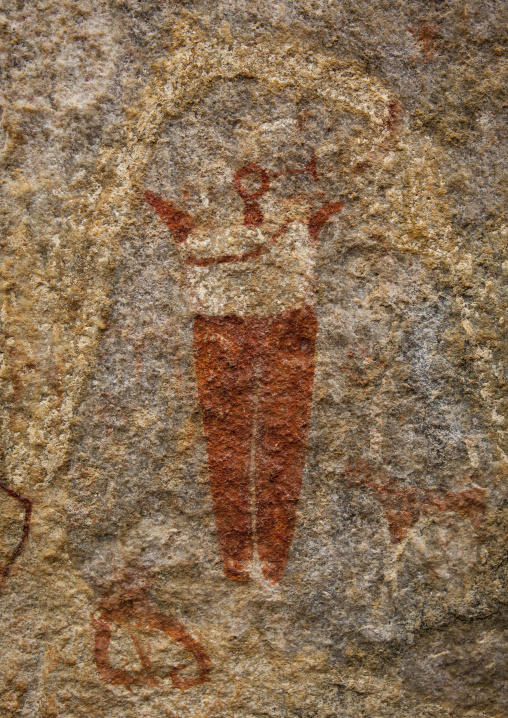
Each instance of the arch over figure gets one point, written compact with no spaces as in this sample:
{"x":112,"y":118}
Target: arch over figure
{"x":249,"y":259}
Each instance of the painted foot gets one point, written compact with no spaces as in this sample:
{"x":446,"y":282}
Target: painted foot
{"x":236,"y":570}
{"x":272,"y":572}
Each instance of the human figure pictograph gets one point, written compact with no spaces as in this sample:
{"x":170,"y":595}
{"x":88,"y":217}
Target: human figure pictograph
{"x":254,"y":372}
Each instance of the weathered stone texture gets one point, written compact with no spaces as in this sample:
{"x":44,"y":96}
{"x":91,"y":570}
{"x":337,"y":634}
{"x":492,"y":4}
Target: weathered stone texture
{"x":254,"y":271}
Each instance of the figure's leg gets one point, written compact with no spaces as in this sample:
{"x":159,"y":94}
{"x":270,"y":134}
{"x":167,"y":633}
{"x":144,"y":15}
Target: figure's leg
{"x":225,"y":376}
{"x":287,"y":374}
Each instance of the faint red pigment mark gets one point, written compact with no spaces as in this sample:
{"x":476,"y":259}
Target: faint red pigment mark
{"x":425,"y":33}
{"x":361,"y":167}
{"x":404,"y":505}
{"x":302,"y":118}
{"x":386,"y":138}
{"x":394,"y":114}
{"x":105,"y":409}
{"x":216,"y":704}
{"x":309,"y":169}
{"x":131,"y":607}
{"x":160,"y":334}
{"x":22,"y":367}
{"x":27,"y":506}
{"x":390,"y":127}
{"x":19,"y":372}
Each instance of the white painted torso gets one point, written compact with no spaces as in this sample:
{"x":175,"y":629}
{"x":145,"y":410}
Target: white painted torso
{"x":280,"y":279}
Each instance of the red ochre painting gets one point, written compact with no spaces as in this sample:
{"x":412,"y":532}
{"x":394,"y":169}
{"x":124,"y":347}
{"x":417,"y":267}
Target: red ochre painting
{"x":255,"y":372}
{"x":8,"y":563}
{"x":255,"y":377}
{"x":130,"y":608}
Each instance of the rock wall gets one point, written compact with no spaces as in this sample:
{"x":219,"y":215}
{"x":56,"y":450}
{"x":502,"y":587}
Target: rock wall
{"x":254,"y":269}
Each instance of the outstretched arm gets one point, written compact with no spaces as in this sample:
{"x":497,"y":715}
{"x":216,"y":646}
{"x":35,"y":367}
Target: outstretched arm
{"x":318,"y":220}
{"x":180,"y":223}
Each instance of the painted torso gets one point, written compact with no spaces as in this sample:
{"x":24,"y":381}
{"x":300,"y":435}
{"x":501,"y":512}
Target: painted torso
{"x":249,"y":272}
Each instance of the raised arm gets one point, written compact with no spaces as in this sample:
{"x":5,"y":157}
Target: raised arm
{"x":180,"y":223}
{"x":318,"y":220}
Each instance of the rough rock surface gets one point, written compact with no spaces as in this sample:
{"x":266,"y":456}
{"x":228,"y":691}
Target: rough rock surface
{"x":254,"y":267}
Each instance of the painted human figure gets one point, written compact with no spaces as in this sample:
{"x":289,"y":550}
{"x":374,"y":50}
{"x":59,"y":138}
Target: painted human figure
{"x":251,"y":287}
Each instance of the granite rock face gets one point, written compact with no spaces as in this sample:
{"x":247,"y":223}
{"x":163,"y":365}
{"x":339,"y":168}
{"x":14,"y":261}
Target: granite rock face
{"x":254,"y":453}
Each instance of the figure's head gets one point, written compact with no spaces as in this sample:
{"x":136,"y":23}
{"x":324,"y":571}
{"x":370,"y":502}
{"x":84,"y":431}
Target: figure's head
{"x":272,"y":117}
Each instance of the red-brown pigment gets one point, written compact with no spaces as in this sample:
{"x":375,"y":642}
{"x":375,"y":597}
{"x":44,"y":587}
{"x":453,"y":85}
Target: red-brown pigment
{"x":130,"y":606}
{"x":27,"y":506}
{"x":180,"y":223}
{"x":425,"y":33}
{"x":253,"y":216}
{"x":404,"y":505}
{"x":318,"y":220}
{"x":228,"y":258}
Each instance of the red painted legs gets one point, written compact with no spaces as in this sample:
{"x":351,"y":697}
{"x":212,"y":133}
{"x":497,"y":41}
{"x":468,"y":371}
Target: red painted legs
{"x":255,"y":378}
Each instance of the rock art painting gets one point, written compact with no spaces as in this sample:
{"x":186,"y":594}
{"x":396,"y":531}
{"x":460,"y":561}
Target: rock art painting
{"x":403,"y":506}
{"x":261,"y":449}
{"x":247,"y":236}
{"x":129,"y":606}
{"x":15,"y":529}
{"x":255,"y":377}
